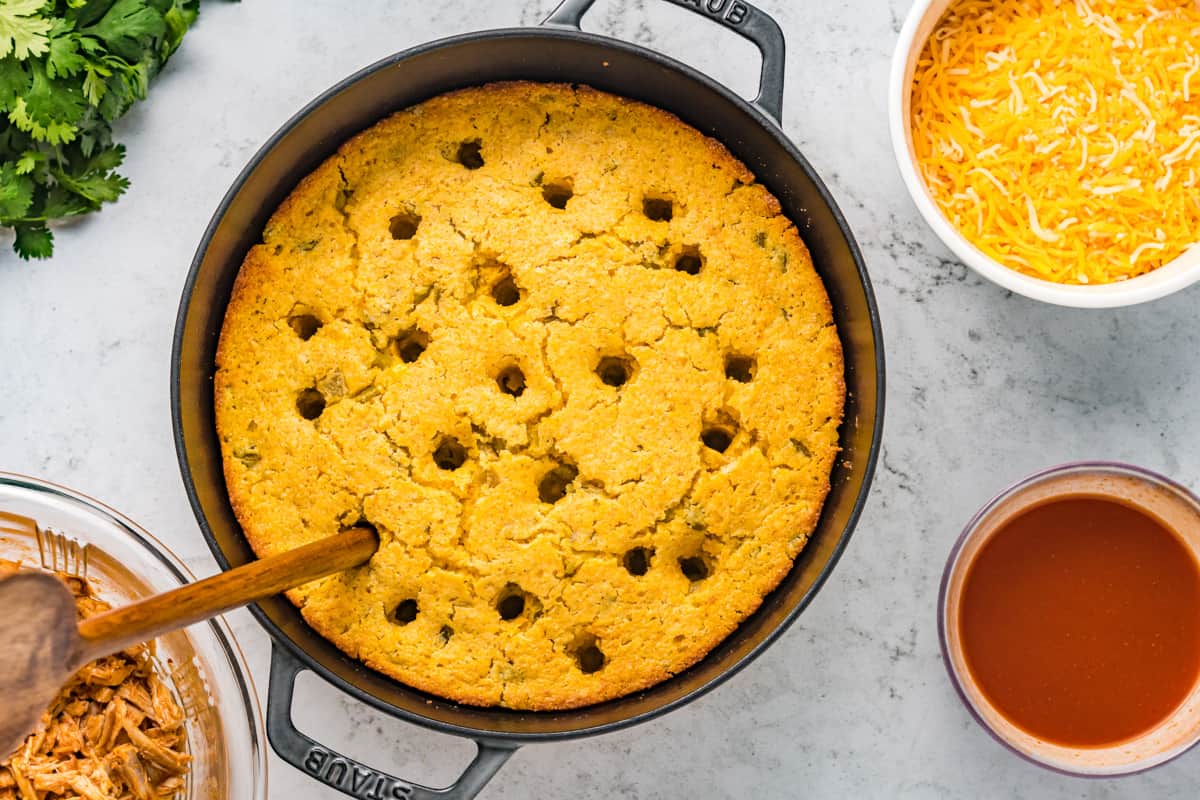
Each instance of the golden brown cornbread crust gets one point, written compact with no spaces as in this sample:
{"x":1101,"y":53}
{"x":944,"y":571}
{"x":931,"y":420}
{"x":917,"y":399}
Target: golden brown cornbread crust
{"x":596,"y":279}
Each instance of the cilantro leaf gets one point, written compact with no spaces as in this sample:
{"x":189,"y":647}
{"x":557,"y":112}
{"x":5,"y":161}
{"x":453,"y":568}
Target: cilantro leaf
{"x":21,"y":32}
{"x":63,"y":59}
{"x":49,"y":100}
{"x":108,"y":159}
{"x":126,"y":26}
{"x":95,"y":83}
{"x":16,"y":193}
{"x":54,"y":133}
{"x":92,"y":46}
{"x":29,"y":161}
{"x":178,"y":20}
{"x":33,"y":241}
{"x":95,"y":187}
{"x":14,"y":82}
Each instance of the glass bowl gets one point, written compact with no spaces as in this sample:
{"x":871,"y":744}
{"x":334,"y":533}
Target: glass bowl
{"x":1157,"y":496}
{"x":123,"y":563}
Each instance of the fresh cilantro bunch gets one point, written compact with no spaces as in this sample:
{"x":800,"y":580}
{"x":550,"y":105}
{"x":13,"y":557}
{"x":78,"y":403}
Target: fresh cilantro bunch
{"x":68,"y":69}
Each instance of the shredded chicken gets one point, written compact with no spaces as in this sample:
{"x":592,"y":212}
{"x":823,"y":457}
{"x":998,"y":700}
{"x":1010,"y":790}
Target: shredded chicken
{"x":115,"y":732}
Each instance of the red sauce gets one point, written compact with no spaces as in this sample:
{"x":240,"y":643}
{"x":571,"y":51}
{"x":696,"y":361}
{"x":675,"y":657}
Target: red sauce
{"x":1080,"y":621}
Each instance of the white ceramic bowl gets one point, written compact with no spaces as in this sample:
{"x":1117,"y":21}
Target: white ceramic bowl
{"x":1171,"y":277}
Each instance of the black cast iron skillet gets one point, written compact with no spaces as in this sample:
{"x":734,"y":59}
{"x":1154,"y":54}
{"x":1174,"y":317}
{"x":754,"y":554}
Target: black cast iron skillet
{"x":556,"y":51}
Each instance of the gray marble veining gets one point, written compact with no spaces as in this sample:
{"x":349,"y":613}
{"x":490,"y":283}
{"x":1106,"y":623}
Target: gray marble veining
{"x":983,"y":388}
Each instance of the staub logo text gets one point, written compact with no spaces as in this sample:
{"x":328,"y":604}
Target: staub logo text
{"x":733,"y":12}
{"x":353,"y":779}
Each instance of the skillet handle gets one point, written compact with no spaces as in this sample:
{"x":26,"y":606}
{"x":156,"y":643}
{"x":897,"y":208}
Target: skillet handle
{"x":347,"y":775}
{"x":738,"y":16}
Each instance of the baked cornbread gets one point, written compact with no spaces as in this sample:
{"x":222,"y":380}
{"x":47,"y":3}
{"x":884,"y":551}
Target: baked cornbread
{"x":570,"y":360}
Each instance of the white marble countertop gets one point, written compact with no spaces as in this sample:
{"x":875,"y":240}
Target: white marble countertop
{"x":983,"y":387}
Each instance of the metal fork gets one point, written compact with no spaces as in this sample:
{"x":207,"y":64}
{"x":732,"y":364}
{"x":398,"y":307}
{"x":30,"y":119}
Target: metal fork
{"x":58,"y":552}
{"x":61,"y":553}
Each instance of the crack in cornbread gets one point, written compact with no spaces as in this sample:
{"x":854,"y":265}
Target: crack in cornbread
{"x":571,"y":361}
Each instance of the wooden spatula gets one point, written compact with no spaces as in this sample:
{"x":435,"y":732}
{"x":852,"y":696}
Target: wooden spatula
{"x":42,"y":645}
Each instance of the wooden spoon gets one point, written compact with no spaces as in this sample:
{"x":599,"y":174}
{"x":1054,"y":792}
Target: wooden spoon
{"x":42,"y":644}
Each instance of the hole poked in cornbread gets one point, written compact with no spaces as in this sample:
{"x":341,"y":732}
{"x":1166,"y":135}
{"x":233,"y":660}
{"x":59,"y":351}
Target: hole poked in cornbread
{"x":411,"y":344}
{"x":615,"y":370}
{"x":717,"y":437}
{"x":404,"y":612}
{"x":557,"y":193}
{"x":637,"y":560}
{"x":511,"y":606}
{"x":590,"y":659}
{"x":587,"y":653}
{"x":512,"y":602}
{"x":445,"y":633}
{"x":310,"y":403}
{"x":511,"y":380}
{"x":694,"y":568}
{"x":553,"y":485}
{"x":404,"y":225}
{"x":469,"y":155}
{"x":689,"y":261}
{"x":449,"y":454}
{"x":305,"y":325}
{"x":658,"y":208}
{"x":740,"y":368}
{"x":505,"y":291}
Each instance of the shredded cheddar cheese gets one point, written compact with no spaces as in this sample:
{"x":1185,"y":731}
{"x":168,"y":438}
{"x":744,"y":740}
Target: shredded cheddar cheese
{"x":1063,"y":138}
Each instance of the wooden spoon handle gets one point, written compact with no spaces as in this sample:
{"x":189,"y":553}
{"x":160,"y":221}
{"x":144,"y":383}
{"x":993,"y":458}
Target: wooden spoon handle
{"x":122,"y":627}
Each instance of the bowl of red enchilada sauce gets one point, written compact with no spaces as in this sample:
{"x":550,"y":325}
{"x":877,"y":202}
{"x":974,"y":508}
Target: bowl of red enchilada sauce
{"x":1069,"y":616}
